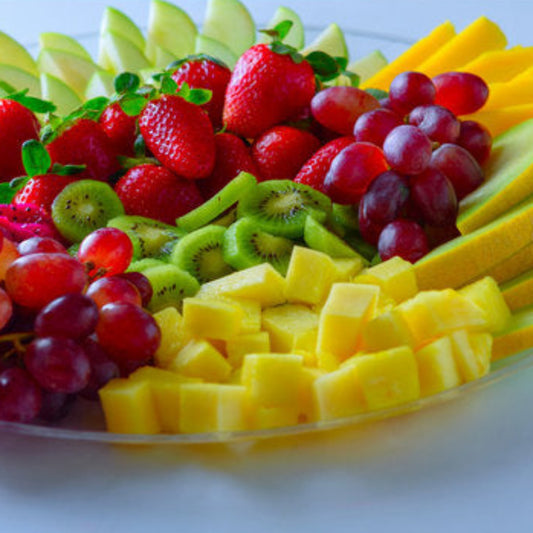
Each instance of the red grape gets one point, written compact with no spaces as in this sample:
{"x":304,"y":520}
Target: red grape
{"x":35,"y":245}
{"x":437,"y":122}
{"x":6,"y":308}
{"x":373,"y":126}
{"x":403,"y":238}
{"x":438,"y":236}
{"x":55,"y":405}
{"x":113,"y":289}
{"x":407,"y":149}
{"x":477,"y":139}
{"x":103,"y":369}
{"x":142,"y":283}
{"x":409,"y":90}
{"x":20,"y":396}
{"x":460,"y":92}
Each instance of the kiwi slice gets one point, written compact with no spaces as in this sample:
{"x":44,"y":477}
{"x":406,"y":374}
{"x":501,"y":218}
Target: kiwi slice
{"x":343,"y":219}
{"x":143,"y":264}
{"x":84,"y":206}
{"x":218,"y":204}
{"x":280,"y":207}
{"x":149,"y":237}
{"x":246,"y":245}
{"x":227,"y":218}
{"x":362,"y":247}
{"x":170,"y":285}
{"x":200,"y":253}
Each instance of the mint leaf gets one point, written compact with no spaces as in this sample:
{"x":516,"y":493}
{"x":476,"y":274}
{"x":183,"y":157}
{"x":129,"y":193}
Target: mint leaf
{"x":126,"y":82}
{"x":35,"y":158}
{"x":6,"y":88}
{"x":323,"y":64}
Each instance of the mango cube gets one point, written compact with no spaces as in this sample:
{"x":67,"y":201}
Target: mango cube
{"x":387,"y":378}
{"x":386,"y":330}
{"x":472,"y":353}
{"x":306,"y":406}
{"x":274,"y":417}
{"x":170,"y":323}
{"x":242,"y":345}
{"x":251,"y":319}
{"x":348,"y":307}
{"x":347,"y":267}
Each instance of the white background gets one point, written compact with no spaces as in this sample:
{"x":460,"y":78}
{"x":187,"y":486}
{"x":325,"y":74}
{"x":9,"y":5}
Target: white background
{"x":465,"y":466}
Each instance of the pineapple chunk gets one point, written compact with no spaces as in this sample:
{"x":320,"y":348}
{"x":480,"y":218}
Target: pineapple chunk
{"x":327,"y":361}
{"x":274,"y":417}
{"x":386,"y":330}
{"x":306,"y":407}
{"x":242,"y":345}
{"x":437,"y":369}
{"x":251,"y":320}
{"x":472,"y":352}
{"x":347,"y":267}
{"x":200,"y":359}
{"x":348,"y":307}
{"x":291,"y":327}
{"x":387,"y":378}
{"x":214,"y":319}
{"x":169,"y":321}
{"x":129,"y":407}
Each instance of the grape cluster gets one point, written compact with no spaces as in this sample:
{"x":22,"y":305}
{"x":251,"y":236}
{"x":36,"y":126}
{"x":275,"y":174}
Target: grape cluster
{"x":70,"y":324}
{"x":412,"y":159}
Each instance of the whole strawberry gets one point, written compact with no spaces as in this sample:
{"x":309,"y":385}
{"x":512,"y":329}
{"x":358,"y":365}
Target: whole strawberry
{"x":180,"y":135}
{"x":265,"y":89}
{"x":42,"y":190}
{"x":17,"y":124}
{"x":120,"y":128}
{"x":280,"y":152}
{"x":154,"y":191}
{"x":204,"y":72}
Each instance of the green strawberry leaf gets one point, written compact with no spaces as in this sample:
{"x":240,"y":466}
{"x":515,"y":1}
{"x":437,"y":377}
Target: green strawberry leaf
{"x":286,"y":50}
{"x":7,"y":193}
{"x":168,"y":85}
{"x":139,"y":146}
{"x":353,"y":77}
{"x":280,"y":31}
{"x":37,"y":105}
{"x":194,"y":96}
{"x":35,"y":158}
{"x":132,"y":104}
{"x":66,"y":170}
{"x":126,"y":82}
{"x":6,"y":89}
{"x":379,"y":94}
{"x":325,"y":66}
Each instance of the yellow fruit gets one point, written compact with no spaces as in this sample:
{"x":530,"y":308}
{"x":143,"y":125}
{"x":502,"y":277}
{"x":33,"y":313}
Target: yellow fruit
{"x":502,"y":119}
{"x":274,"y":417}
{"x":518,"y":91}
{"x":518,"y":292}
{"x":306,"y":405}
{"x":472,"y":353}
{"x":327,"y":361}
{"x":242,"y":345}
{"x":169,"y":321}
{"x":513,"y":266}
{"x":386,"y":330}
{"x":516,"y":337}
{"x":251,"y":320}
{"x":347,"y":267}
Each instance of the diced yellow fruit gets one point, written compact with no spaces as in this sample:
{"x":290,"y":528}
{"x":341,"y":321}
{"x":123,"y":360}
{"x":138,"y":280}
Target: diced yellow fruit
{"x":242,"y":345}
{"x":348,"y":307}
{"x":309,"y":276}
{"x":273,"y":380}
{"x":208,"y":407}
{"x":170,"y":323}
{"x":306,"y":405}
{"x":480,"y":36}
{"x":516,"y":337}
{"x":274,"y":417}
{"x":412,"y":57}
{"x":214,"y":319}
{"x":200,"y":359}
{"x":337,"y":394}
{"x":437,"y":369}
{"x":327,"y":361}
{"x":235,"y":378}
{"x":386,"y":330}
{"x":387,"y":378}
{"x":513,"y":266}
{"x":347,"y":267}
{"x":129,"y":407}
{"x":262,"y":283}
{"x":251,"y":320}
{"x":291,"y":327}
{"x":502,"y":119}
{"x":472,"y":353}
{"x":518,"y":91}
{"x":518,"y":292}
{"x":486,"y":294}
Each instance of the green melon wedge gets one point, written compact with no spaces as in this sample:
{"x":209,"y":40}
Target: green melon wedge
{"x":296,"y":35}
{"x":331,"y":41}
{"x":60,"y":41}
{"x":60,"y":93}
{"x":20,"y":79}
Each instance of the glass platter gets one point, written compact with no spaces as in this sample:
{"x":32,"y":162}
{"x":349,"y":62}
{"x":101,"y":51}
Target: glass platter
{"x":85,"y":423}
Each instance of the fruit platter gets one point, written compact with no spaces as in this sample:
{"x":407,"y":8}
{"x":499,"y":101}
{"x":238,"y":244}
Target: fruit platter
{"x":217,"y":235}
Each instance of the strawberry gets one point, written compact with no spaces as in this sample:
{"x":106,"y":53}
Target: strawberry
{"x":232,"y":157}
{"x":204,"y":72}
{"x":265,"y":89}
{"x":42,"y":190}
{"x":154,"y":191}
{"x":84,"y":142}
{"x":280,"y":152}
{"x":120,"y":128}
{"x":315,"y":169}
{"x":17,"y":124}
{"x":180,"y":135}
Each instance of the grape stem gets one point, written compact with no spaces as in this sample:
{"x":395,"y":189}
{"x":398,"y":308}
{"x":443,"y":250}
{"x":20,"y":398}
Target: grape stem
{"x":17,"y":340}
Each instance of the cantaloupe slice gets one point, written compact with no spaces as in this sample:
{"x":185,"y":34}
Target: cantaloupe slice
{"x":500,"y":120}
{"x":516,"y":337}
{"x":412,"y":57}
{"x":517,"y":91}
{"x":509,"y":179}
{"x":480,"y":36}
{"x":518,"y":292}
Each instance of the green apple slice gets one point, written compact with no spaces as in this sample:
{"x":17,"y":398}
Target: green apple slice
{"x":331,"y":41}
{"x":100,"y":84}
{"x":20,"y":79}
{"x":229,"y":22}
{"x":71,"y":69}
{"x":13,"y":53}
{"x":216,"y":49}
{"x":162,"y":58}
{"x":170,"y":29}
{"x":62,"y":95}
{"x":368,"y":65}
{"x":296,"y":35}
{"x":60,"y":41}
{"x":117,"y":22}
{"x":120,"y":54}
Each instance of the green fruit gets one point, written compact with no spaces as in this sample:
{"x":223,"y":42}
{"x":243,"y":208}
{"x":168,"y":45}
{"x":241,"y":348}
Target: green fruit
{"x":331,"y":41}
{"x":296,"y":35}
{"x":319,"y":238}
{"x":116,"y":21}
{"x":343,"y":219}
{"x":13,"y":53}
{"x":213,"y":48}
{"x":143,"y":264}
{"x":118,"y":54}
{"x":20,"y":79}
{"x":60,"y":41}
{"x":100,"y":84}
{"x":55,"y":90}
{"x":368,"y":65}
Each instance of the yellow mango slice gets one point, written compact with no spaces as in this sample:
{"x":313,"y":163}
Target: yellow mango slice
{"x":518,"y":292}
{"x":480,"y":36}
{"x":274,"y":417}
{"x":242,"y":345}
{"x":306,"y":405}
{"x":517,"y":91}
{"x":502,"y":119}
{"x":347,"y":267}
{"x":386,"y":330}
{"x":472,"y":353}
{"x":513,"y":266}
{"x":169,"y":321}
{"x":251,"y":318}
{"x":516,"y":337}
{"x":412,"y":57}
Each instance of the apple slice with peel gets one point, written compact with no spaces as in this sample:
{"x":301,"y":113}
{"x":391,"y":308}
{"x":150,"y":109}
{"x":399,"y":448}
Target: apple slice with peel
{"x":296,"y":35}
{"x":100,"y":84}
{"x":60,"y":41}
{"x":20,"y":79}
{"x":365,"y":68}
{"x":13,"y":53}
{"x":229,"y":22}
{"x":121,"y":54}
{"x":212,"y":47}
{"x":331,"y":41}
{"x":60,"y":93}
{"x":163,"y":57}
{"x":170,"y":29}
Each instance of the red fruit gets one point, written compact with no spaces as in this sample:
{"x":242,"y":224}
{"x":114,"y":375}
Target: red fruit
{"x":203,"y":72}
{"x":266,"y":88}
{"x":22,"y":221}
{"x":461,"y":92}
{"x":155,"y":192}
{"x":232,"y":156}
{"x":17,"y":125}
{"x":282,"y":150}
{"x":404,"y":238}
{"x":85,"y":143}
{"x":314,"y":171}
{"x":120,"y":128}
{"x":180,"y":135}
{"x":42,"y":190}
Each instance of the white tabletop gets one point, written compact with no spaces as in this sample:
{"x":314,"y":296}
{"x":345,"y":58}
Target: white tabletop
{"x":464,"y":466}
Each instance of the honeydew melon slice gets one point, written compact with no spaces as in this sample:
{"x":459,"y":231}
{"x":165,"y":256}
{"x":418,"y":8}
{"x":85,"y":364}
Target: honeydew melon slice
{"x":100,"y":84}
{"x":60,"y":41}
{"x":120,"y":54}
{"x":331,"y":41}
{"x":216,"y":49}
{"x":518,"y":292}
{"x":171,"y":29}
{"x":516,"y":337}
{"x":296,"y":35}
{"x":62,"y":95}
{"x":229,"y":22}
{"x":13,"y":53}
{"x":513,"y":266}
{"x":20,"y":79}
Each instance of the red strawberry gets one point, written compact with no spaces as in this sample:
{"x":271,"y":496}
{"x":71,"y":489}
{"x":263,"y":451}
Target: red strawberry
{"x":315,"y":169}
{"x":266,"y":88}
{"x":282,"y":150}
{"x":232,"y":157}
{"x":204,"y":72}
{"x":155,"y":192}
{"x":85,"y":143}
{"x":17,"y":124}
{"x":120,"y":128}
{"x":42,"y":190}
{"x":180,"y":135}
